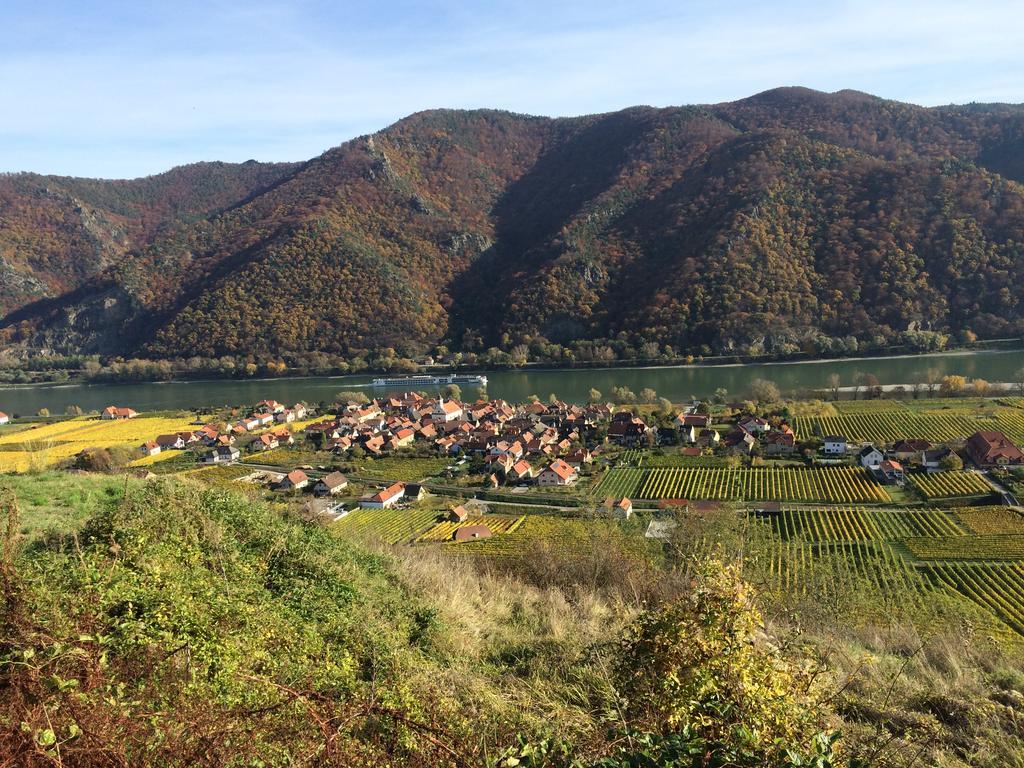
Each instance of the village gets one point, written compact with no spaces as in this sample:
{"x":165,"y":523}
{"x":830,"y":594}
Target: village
{"x":560,"y":454}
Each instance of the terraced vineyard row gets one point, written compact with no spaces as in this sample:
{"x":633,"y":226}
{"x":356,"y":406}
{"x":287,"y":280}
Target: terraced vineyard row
{"x":820,"y":569}
{"x":497,"y":523}
{"x":991,"y":519}
{"x":543,"y":531}
{"x":868,"y":406}
{"x":897,"y":524}
{"x":621,"y":482}
{"x":392,"y":526}
{"x":996,"y":587}
{"x":826,"y":524}
{"x":949,"y":485}
{"x":861,"y":523}
{"x":886,"y":426}
{"x":976,"y":547}
{"x":840,"y":484}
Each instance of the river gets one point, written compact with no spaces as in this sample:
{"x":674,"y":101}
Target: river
{"x":677,"y":383}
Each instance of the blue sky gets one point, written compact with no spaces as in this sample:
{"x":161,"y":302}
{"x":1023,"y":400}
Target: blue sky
{"x":120,"y":89}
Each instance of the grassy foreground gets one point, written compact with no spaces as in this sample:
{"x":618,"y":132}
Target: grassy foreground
{"x":164,"y":622}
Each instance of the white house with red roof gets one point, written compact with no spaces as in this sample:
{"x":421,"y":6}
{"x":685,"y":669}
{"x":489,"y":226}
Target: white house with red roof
{"x":385,"y":498}
{"x":114,"y":413}
{"x":4,"y":418}
{"x":152,"y":448}
{"x":445,"y":411}
{"x":294,"y":480}
{"x":557,"y":473}
{"x":521,"y":470}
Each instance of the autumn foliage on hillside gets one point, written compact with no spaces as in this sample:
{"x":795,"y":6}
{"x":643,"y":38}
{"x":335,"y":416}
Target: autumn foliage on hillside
{"x":755,"y":226}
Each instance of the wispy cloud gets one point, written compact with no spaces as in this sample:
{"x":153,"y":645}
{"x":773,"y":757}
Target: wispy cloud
{"x":120,"y":88}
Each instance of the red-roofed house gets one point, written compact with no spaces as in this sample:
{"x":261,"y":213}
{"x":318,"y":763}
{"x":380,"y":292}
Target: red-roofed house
{"x":4,"y":418}
{"x":384,"y":499}
{"x":521,"y":470}
{"x":151,"y":448}
{"x":113,"y":413}
{"x":621,"y":508}
{"x":445,"y":411}
{"x":266,"y":442}
{"x":557,"y":473}
{"x":294,"y":480}
{"x":991,"y":449}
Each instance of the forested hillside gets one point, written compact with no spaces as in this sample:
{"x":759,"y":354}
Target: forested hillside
{"x":792,"y":220}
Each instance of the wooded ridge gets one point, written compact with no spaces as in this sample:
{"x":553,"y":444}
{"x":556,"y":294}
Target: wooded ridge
{"x":790,"y":220}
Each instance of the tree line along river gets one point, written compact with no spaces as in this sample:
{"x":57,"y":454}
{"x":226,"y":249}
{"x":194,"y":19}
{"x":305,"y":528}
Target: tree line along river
{"x":676,"y":383}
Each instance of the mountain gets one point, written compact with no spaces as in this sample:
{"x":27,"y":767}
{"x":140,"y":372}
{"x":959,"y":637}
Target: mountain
{"x":766,"y":224}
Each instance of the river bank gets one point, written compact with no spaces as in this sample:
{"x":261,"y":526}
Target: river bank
{"x":675,"y":382}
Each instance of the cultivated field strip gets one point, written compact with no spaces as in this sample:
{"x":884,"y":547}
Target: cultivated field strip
{"x":547,"y":532}
{"x":950,"y":485}
{"x":997,"y":587}
{"x":887,"y":426}
{"x":835,"y":484}
{"x":895,"y":524}
{"x":991,"y":519}
{"x":444,"y":531}
{"x":823,"y":569}
{"x":826,"y":524}
{"x":1009,"y":546}
{"x":621,"y":482}
{"x":852,"y":523}
{"x":392,"y":526}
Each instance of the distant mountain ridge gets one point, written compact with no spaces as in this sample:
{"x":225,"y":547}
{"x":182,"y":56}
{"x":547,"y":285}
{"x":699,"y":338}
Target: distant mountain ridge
{"x":764,"y":224}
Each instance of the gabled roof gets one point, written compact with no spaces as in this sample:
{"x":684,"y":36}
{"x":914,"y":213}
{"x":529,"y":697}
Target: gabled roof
{"x":396,"y":489}
{"x":334,"y":480}
{"x":296,"y":476}
{"x":561,"y":469}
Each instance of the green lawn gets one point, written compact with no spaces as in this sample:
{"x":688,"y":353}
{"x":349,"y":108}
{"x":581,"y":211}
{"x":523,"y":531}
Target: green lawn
{"x":54,"y":502}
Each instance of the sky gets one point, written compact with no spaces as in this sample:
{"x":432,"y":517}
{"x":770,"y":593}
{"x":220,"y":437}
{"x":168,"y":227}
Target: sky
{"x":119,"y":89}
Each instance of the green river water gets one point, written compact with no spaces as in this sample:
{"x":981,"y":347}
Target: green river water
{"x":677,"y":383}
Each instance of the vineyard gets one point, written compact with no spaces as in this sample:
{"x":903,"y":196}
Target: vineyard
{"x":897,"y":422}
{"x":621,"y":482}
{"x":497,"y":524}
{"x":951,"y":485}
{"x":991,"y":519}
{"x":538,"y":532}
{"x":392,"y":526}
{"x":996,"y":587}
{"x":840,"y":523}
{"x":976,"y":547}
{"x":839,"y":484}
{"x":46,"y":445}
{"x":828,"y":570}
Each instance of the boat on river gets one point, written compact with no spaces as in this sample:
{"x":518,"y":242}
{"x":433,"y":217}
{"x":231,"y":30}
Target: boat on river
{"x":430,"y":381}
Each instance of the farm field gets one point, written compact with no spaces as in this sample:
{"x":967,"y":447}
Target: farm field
{"x":950,"y":485}
{"x":564,"y":534}
{"x":823,"y":570}
{"x":392,"y":526}
{"x":148,"y":461}
{"x":836,"y":484}
{"x":996,"y":587}
{"x":621,"y":482}
{"x":841,"y":523}
{"x":400,"y":468}
{"x":991,"y":519}
{"x":897,"y":422}
{"x":498,"y":524}
{"x":976,"y":547}
{"x":48,"y":444}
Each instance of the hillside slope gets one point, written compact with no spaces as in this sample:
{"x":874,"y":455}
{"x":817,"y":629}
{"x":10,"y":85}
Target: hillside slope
{"x":759,"y":225}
